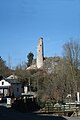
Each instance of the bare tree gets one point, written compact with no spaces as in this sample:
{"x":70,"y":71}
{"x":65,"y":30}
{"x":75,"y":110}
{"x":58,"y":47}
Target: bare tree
{"x":72,"y":57}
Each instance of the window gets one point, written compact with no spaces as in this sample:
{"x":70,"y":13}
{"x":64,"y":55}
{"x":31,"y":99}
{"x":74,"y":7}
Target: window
{"x":17,"y":89}
{"x":2,"y":83}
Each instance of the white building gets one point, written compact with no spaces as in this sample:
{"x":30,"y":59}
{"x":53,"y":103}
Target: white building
{"x":10,"y":86}
{"x":4,"y":87}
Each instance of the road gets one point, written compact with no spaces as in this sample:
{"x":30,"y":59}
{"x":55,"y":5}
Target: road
{"x":11,"y":114}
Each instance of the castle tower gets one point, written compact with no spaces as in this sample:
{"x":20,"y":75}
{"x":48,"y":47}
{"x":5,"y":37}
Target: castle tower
{"x":40,"y":53}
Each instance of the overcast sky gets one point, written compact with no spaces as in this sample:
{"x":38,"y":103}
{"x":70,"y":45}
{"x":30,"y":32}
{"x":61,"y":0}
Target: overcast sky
{"x":23,"y":22}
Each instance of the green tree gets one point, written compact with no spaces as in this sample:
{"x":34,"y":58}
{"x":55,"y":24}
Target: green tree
{"x":30,"y":59}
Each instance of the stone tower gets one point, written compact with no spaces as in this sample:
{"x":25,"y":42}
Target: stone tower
{"x":40,"y":53}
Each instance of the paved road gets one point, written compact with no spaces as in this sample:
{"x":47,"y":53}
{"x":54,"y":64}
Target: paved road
{"x":73,"y":118}
{"x":10,"y":114}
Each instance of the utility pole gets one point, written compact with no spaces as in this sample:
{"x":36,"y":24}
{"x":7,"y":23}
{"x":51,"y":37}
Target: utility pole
{"x":37,"y":90}
{"x":30,"y":85}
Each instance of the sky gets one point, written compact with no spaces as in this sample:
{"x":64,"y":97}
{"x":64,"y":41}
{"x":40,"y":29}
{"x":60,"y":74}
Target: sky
{"x":23,"y":22}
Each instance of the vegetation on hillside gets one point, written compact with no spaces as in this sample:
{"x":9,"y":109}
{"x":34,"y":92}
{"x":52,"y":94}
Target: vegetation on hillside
{"x":4,"y":69}
{"x":59,"y":76}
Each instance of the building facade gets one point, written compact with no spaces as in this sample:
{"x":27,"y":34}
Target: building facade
{"x":10,"y":86}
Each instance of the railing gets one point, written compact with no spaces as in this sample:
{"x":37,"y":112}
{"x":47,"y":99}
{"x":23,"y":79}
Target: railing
{"x":66,"y":110}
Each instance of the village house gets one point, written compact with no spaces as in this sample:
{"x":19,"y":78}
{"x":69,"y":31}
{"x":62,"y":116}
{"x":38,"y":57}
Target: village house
{"x":10,"y":86}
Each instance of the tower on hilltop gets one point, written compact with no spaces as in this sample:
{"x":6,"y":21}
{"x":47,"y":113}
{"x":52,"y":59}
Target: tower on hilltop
{"x":40,"y":53}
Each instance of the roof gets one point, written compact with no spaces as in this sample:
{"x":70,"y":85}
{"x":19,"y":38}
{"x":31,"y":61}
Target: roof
{"x":4,"y":83}
{"x":13,"y":79}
